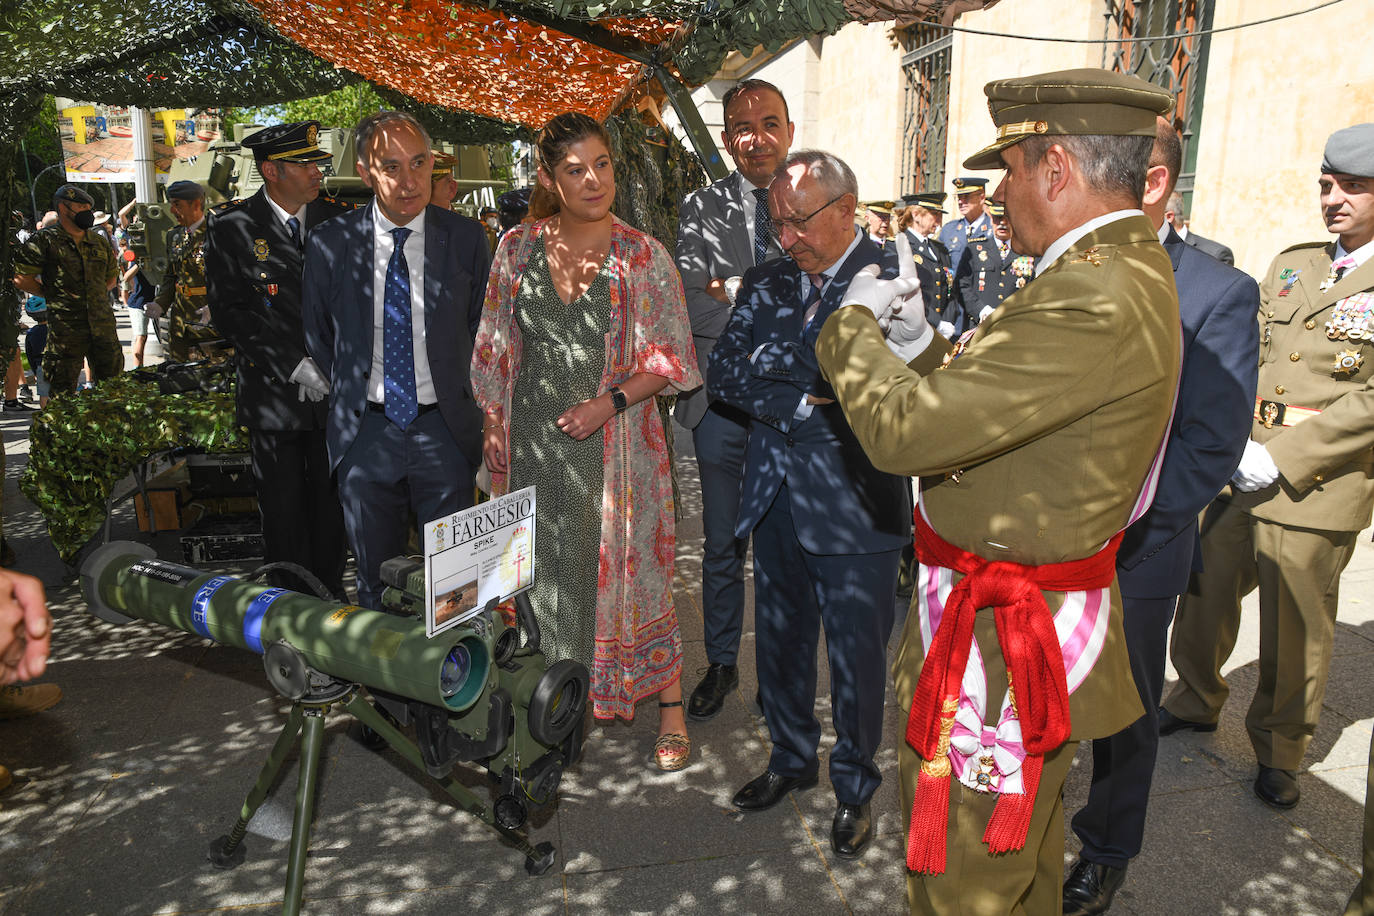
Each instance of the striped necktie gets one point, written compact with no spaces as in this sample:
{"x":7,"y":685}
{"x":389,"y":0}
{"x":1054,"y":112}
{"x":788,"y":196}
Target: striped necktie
{"x":813,"y":301}
{"x":1338,"y":269}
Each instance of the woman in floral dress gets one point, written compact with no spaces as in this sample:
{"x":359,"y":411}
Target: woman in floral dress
{"x":584,"y":323}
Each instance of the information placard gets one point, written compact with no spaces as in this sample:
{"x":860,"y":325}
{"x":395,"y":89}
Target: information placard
{"x":476,"y":555}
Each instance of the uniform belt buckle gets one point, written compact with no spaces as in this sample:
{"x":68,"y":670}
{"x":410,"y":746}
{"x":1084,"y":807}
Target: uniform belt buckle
{"x":1271,"y":413}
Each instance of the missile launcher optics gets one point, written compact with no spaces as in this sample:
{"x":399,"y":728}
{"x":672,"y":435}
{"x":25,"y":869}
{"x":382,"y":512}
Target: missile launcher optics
{"x":474,"y":693}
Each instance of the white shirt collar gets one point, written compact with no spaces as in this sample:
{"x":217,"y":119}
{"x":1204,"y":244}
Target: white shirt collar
{"x":416,"y":226}
{"x":829,"y":272}
{"x":747,"y":187}
{"x":1163,"y":232}
{"x":1067,"y":240}
{"x":1361,"y":254}
{"x":194,"y":226}
{"x":282,"y":214}
{"x":1182,"y":231}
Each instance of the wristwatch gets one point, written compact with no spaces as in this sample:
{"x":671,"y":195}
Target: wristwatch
{"x":618,"y":400}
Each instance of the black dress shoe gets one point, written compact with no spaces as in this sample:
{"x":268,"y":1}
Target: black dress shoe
{"x":710,"y":694}
{"x":1090,"y":888}
{"x":1170,"y":723}
{"x":1277,"y":788}
{"x":767,"y":790}
{"x":851,"y":830}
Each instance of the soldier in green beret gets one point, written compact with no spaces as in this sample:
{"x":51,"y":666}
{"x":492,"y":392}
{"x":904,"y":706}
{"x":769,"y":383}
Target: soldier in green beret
{"x":182,"y":291}
{"x":1037,"y":440}
{"x":74,"y":269}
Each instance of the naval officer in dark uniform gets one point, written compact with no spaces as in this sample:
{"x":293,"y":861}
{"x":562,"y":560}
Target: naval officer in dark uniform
{"x":253,"y":273}
{"x":920,"y":223}
{"x":990,"y":269}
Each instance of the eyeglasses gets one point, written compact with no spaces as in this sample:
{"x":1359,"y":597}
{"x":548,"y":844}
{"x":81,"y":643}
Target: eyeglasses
{"x":798,"y":223}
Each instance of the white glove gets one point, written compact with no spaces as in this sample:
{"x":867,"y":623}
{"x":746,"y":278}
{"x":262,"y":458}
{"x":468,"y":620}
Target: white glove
{"x":731,"y":285}
{"x":152,"y":310}
{"x":203,"y":316}
{"x":880,"y":296}
{"x":310,"y":381}
{"x":984,"y":313}
{"x":945,"y":329}
{"x":1257,"y":469}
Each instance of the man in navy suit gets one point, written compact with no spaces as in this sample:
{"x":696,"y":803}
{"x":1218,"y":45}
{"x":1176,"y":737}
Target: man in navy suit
{"x":1216,"y":396}
{"x":723,"y":231}
{"x":827,"y":526}
{"x":393,"y":295}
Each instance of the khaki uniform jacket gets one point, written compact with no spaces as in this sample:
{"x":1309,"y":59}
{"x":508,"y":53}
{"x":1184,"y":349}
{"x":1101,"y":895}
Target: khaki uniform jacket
{"x":1326,"y":461}
{"x":182,"y":292}
{"x":1053,"y":415}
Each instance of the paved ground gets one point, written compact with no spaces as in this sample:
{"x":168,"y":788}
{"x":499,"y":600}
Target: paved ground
{"x":121,"y":787}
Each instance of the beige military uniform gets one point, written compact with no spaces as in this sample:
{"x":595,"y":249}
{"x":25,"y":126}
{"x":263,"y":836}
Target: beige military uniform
{"x":183,"y":293}
{"x":1050,"y":419}
{"x":1315,"y":415}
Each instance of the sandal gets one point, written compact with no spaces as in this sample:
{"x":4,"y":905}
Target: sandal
{"x":672,"y":750}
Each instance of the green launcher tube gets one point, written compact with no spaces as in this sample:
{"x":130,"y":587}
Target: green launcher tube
{"x":124,"y":580}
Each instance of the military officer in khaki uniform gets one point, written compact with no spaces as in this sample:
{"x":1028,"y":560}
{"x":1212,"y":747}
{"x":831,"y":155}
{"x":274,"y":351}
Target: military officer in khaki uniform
{"x":1042,"y":437}
{"x":1304,"y":490}
{"x":991,"y":269}
{"x":74,"y":268}
{"x":877,"y":215}
{"x":182,"y":291}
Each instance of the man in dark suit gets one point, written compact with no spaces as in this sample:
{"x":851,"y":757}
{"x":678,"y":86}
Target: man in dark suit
{"x":723,"y":230}
{"x":1174,"y":216}
{"x":393,"y":296}
{"x":990,"y":269}
{"x":253,"y":278}
{"x":1217,"y":308}
{"x":827,"y":526}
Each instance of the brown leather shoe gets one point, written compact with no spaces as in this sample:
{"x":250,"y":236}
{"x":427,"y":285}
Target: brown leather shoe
{"x":18,"y":701}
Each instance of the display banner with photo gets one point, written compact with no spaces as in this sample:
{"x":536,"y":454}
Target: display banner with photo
{"x":98,"y":140}
{"x":476,"y":555}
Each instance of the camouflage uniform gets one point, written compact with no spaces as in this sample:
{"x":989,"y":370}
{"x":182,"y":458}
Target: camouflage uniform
{"x":76,"y":277}
{"x":182,"y":291}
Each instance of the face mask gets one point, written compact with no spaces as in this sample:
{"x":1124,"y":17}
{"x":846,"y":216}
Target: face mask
{"x":493,"y":223}
{"x":84,"y":220}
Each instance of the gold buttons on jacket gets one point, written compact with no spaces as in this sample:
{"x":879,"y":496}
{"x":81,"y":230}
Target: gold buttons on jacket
{"x":1310,"y":324}
{"x":1317,"y":478}
{"x":1295,"y":356}
{"x":1279,"y":389}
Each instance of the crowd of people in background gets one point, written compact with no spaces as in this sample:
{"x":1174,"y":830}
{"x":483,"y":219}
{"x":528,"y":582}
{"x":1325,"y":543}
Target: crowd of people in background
{"x":880,"y":401}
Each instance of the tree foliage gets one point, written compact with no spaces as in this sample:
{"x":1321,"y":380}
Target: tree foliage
{"x":342,"y":107}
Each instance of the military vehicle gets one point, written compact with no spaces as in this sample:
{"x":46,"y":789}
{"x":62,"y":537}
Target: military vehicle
{"x":228,"y":171}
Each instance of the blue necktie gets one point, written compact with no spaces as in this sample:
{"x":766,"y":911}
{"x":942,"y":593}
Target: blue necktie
{"x":398,"y":341}
{"x":295,"y":226}
{"x":763,"y":225}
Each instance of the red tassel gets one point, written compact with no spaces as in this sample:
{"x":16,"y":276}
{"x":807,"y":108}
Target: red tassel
{"x":925,"y":845}
{"x":1010,"y":821}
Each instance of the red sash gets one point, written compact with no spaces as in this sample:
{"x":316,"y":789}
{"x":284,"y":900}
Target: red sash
{"x":1035,"y":669}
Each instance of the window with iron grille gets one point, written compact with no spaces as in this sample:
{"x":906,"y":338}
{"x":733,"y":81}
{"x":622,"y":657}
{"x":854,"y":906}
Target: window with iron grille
{"x":925,"y":107}
{"x":1179,"y":64}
